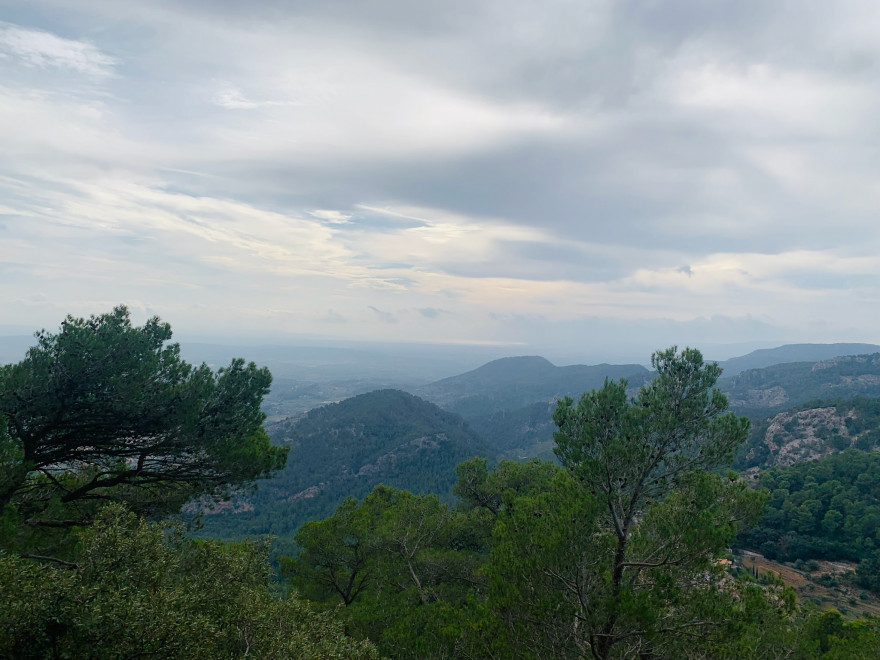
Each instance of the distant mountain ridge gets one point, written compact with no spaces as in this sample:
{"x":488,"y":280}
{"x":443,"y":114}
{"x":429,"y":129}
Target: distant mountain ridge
{"x":762,"y":392}
{"x":768,"y":357}
{"x":510,"y":401}
{"x":516,"y":382}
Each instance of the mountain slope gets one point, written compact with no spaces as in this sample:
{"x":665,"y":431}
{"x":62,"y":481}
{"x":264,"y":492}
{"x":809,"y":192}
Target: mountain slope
{"x":758,"y":393}
{"x":519,"y":433}
{"x":811,"y":432}
{"x":510,"y":401}
{"x":347,"y":448}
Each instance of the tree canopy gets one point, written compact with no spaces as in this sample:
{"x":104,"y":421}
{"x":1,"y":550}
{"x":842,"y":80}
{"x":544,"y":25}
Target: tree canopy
{"x":626,"y":542}
{"x":106,"y":411}
{"x":136,"y":589}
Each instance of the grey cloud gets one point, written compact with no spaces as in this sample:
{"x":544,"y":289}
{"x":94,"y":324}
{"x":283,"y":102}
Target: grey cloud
{"x":649,"y":165}
{"x":431,"y":312}
{"x":333,"y":317}
{"x":831,"y":281}
{"x":627,"y":164}
{"x":387,"y":317}
{"x":545,"y":261}
{"x":390,"y":265}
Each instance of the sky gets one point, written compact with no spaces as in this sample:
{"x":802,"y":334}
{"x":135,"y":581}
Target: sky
{"x":531,"y":174}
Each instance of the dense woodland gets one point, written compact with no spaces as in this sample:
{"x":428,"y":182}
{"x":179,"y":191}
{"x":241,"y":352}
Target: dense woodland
{"x":824,"y":509}
{"x":619,"y":546}
{"x":345,"y":449}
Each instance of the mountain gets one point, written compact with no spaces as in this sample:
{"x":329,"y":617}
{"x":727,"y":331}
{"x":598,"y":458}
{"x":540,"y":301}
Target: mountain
{"x":758,"y":393}
{"x":767,"y":357}
{"x":509,"y":402}
{"x":347,"y":448}
{"x":516,"y":382}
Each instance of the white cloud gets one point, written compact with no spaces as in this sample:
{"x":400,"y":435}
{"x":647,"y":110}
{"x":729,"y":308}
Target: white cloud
{"x":232,"y":99}
{"x":44,"y":49}
{"x":331,"y":216}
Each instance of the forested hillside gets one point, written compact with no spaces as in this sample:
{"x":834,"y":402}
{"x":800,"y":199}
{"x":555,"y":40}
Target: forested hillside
{"x":509,"y":402}
{"x":394,"y":438}
{"x":761,"y":392}
{"x":620,"y":552}
{"x":519,"y":433}
{"x":347,"y":448}
{"x":828,"y":508}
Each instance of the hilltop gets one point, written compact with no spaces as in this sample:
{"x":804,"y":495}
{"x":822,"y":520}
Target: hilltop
{"x":346,"y":449}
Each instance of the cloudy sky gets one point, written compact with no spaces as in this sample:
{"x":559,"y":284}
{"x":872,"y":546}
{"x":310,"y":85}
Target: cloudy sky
{"x":514,"y":172}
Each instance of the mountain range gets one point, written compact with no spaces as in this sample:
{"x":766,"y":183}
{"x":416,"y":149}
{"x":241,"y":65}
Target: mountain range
{"x":504,"y":408}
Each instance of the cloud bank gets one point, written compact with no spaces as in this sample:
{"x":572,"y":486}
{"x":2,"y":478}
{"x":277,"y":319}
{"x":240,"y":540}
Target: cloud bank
{"x":520,"y":172}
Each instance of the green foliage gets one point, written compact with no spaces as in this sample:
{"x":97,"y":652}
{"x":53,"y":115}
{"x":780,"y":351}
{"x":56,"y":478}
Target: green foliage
{"x":515,"y":431}
{"x":863,"y":421}
{"x":403,"y":566}
{"x":338,"y":555}
{"x":754,"y":451}
{"x":536,"y":581}
{"x":614,"y":555}
{"x":479,"y":488}
{"x":660,"y":516}
{"x":137,"y":589}
{"x":827,"y":636}
{"x":823,"y":509}
{"x":105,"y":411}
